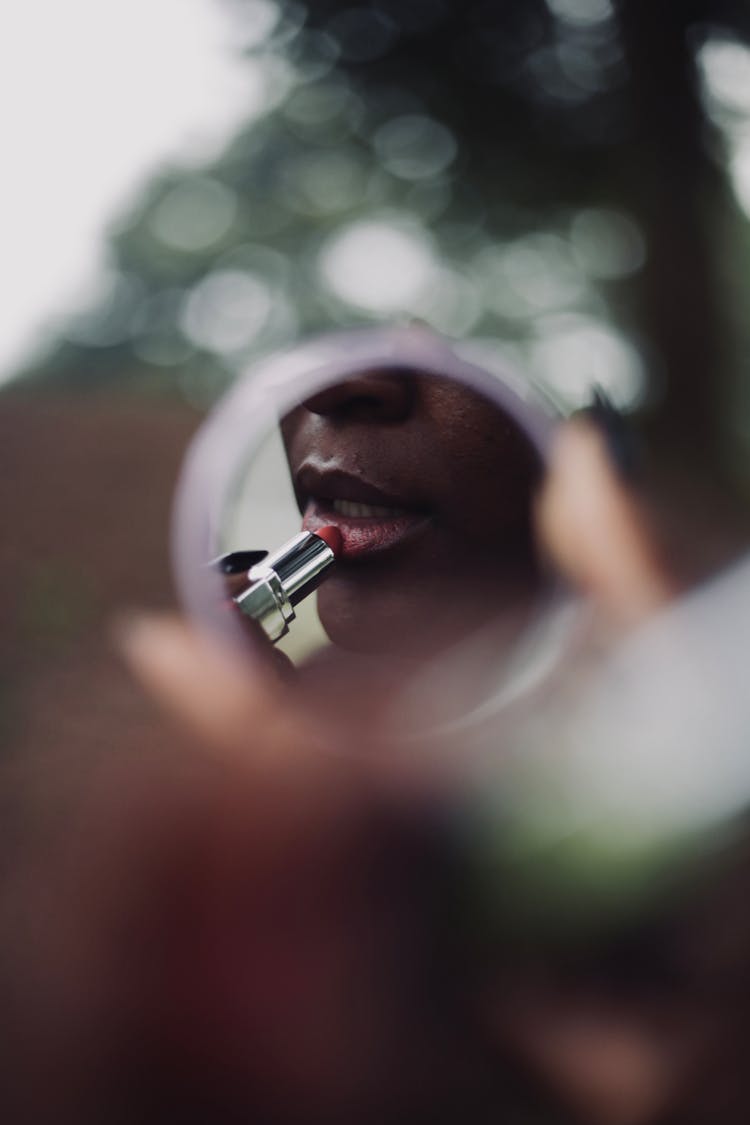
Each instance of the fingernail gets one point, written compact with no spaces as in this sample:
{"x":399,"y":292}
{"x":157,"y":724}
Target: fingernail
{"x":238,"y":562}
{"x":619,"y":436}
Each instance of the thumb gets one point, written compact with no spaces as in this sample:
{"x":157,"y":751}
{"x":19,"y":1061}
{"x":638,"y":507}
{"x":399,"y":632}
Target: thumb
{"x":594,"y":530}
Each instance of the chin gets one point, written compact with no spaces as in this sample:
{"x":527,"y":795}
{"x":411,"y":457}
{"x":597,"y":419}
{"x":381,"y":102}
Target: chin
{"x":358,"y":632}
{"x":359,"y":618}
{"x":373,"y":619}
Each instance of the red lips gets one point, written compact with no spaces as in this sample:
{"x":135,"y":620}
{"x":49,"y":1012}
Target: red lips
{"x":326,"y":491}
{"x":362,"y":536}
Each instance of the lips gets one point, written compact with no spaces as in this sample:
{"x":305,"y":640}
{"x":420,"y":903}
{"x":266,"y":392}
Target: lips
{"x":371,"y":520}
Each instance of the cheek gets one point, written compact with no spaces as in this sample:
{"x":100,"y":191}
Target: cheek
{"x":487,"y":497}
{"x":486,"y":467}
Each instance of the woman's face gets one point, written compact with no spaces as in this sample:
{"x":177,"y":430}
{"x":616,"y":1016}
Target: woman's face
{"x":430,"y":485}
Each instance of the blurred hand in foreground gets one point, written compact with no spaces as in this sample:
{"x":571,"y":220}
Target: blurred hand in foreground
{"x":265,"y":922}
{"x":594,"y":533}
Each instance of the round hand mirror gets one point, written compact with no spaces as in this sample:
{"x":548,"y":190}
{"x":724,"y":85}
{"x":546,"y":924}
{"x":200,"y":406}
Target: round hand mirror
{"x":390,"y":477}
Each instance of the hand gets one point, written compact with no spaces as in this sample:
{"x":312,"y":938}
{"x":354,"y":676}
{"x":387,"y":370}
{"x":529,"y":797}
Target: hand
{"x":596,"y":534}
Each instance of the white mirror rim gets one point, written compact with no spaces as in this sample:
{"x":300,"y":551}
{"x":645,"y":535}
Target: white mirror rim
{"x":242,"y":420}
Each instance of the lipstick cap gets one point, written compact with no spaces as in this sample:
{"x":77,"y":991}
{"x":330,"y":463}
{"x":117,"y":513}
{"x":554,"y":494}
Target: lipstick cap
{"x":282,"y":580}
{"x":299,"y":564}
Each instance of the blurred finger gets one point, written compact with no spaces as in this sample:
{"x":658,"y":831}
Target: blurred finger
{"x":219,"y":698}
{"x":594,"y":531}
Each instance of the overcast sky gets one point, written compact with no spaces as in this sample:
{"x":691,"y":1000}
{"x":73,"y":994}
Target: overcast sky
{"x":94,"y":96}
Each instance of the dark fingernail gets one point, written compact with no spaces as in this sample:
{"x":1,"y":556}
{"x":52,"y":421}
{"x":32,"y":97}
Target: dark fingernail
{"x":238,"y":562}
{"x":619,"y":436}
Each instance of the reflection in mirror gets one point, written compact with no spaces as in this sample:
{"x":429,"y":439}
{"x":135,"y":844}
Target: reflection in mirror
{"x":427,"y":485}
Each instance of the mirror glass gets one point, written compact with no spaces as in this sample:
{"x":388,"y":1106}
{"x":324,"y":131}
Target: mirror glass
{"x":428,"y":481}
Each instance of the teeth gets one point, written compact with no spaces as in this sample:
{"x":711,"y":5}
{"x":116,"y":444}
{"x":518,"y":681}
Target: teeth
{"x":365,"y":511}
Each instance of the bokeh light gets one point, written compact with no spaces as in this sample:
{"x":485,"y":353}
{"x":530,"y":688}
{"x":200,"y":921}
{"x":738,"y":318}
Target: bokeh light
{"x":530,"y":275}
{"x":582,"y":13}
{"x":194,"y":214}
{"x":380,"y":265}
{"x":575,"y":354}
{"x":607,"y":244}
{"x":226,"y":311}
{"x":725,"y":66}
{"x":322,"y":183}
{"x":415,"y":147}
{"x":725,"y":70}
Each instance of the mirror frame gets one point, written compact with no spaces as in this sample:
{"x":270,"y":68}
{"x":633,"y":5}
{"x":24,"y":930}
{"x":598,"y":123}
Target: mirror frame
{"x":267,"y":390}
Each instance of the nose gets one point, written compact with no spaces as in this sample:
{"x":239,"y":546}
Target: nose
{"x":372,"y":396}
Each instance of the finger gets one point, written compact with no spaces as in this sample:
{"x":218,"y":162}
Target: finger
{"x":208,"y":690}
{"x":301,"y":783}
{"x":594,"y":531}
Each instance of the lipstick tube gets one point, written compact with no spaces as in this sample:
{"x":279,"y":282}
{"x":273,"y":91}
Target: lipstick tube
{"x":284,"y":578}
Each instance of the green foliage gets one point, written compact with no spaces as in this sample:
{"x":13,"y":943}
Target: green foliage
{"x":552,"y":173}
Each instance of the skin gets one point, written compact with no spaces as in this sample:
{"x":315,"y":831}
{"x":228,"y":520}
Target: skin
{"x":248,"y":929}
{"x":606,"y":1059}
{"x":461,"y":474}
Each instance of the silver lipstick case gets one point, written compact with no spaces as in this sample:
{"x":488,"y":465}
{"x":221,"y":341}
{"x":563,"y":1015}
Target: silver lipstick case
{"x":282,"y":580}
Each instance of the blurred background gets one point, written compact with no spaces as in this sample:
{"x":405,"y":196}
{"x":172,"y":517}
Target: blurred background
{"x":189,"y":184}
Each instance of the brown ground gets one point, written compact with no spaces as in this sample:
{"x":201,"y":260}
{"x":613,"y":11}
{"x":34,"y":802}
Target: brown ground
{"x":85,"y":494}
